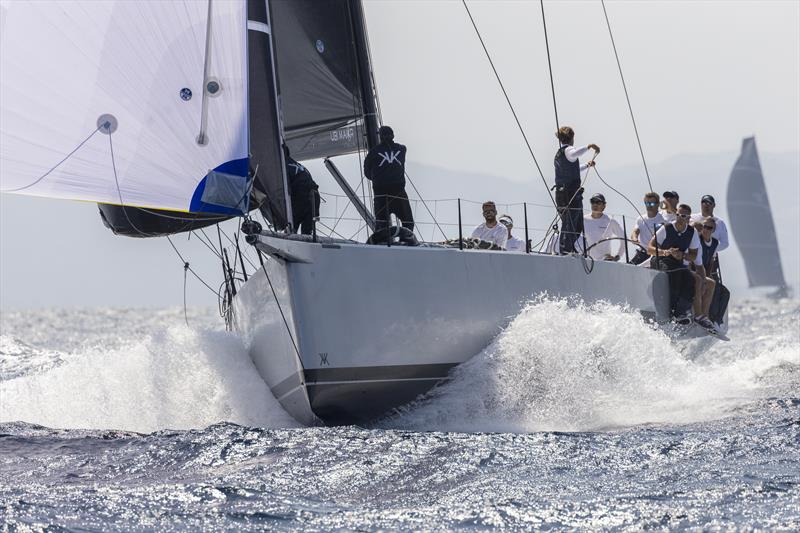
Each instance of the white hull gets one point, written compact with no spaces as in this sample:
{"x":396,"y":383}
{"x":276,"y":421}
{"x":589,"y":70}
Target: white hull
{"x":376,"y":326}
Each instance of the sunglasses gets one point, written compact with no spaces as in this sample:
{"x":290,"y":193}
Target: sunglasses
{"x":651,"y":204}
{"x":681,"y":215}
{"x":596,"y":202}
{"x":707,"y":202}
{"x":709,"y":228}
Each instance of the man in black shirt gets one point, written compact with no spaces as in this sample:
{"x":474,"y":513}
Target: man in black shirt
{"x":569,"y":194}
{"x":301,"y":188}
{"x":385,"y":166}
{"x":672,"y":247}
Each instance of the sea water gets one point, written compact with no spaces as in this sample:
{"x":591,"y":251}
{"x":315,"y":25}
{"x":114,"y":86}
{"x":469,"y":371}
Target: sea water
{"x":574,"y":417}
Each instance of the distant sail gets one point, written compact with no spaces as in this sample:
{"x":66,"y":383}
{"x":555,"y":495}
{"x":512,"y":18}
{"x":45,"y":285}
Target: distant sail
{"x":160,"y":86}
{"x":751,"y":221}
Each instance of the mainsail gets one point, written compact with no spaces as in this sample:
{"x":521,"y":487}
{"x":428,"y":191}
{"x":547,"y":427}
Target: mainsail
{"x":135,"y":103}
{"x":324,"y":75}
{"x":751,"y":220}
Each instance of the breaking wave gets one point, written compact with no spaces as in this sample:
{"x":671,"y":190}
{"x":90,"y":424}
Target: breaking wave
{"x":176,"y":378}
{"x":561,"y":366}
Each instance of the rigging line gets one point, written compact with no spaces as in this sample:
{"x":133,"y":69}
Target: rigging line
{"x":636,"y":210}
{"x":285,"y":322}
{"x":201,"y":137}
{"x":43,"y":176}
{"x":185,"y":262}
{"x":508,"y":100}
{"x":185,"y":271}
{"x":549,"y":65}
{"x":213,"y":250}
{"x":125,"y":212}
{"x":425,"y":204}
{"x":627,"y":98}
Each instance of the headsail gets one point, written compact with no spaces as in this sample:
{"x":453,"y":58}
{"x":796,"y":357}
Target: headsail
{"x":751,"y":219}
{"x":135,"y":103}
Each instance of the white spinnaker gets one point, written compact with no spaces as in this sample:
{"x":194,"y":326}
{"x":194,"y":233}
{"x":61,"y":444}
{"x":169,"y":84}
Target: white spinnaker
{"x":65,"y":64}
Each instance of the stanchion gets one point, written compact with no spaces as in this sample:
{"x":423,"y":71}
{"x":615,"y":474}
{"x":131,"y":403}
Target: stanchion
{"x":460,"y":234}
{"x":625,"y":234}
{"x":527,"y":240}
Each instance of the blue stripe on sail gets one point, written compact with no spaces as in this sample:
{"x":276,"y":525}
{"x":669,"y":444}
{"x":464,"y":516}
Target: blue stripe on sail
{"x":236,"y":167}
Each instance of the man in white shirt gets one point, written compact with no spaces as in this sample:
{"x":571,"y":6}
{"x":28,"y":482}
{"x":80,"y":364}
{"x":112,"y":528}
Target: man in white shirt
{"x":669,"y":207}
{"x":646,"y":227}
{"x":512,"y":244}
{"x":707,"y":205}
{"x":491,"y":230}
{"x":597,"y":227}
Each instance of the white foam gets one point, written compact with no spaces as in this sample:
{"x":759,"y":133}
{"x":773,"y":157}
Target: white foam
{"x":566,"y":367}
{"x":178,"y":378}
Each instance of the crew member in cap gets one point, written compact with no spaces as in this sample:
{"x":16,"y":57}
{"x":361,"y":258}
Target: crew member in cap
{"x":513,"y":244}
{"x":604,"y":236}
{"x":385,"y":166}
{"x":569,"y":193}
{"x":669,"y":207}
{"x":707,"y":205}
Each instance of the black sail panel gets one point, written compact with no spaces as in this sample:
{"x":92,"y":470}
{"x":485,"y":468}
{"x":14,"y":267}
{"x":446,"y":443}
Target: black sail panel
{"x":322,"y":63}
{"x":751,"y":220}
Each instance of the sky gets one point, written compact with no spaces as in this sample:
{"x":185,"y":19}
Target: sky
{"x":701,"y":76}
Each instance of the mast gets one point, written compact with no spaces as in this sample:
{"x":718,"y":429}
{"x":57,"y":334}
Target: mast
{"x":286,"y":193}
{"x":364,"y":72}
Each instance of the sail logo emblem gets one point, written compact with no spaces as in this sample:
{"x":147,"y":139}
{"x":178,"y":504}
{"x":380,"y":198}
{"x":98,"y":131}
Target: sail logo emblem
{"x":389,"y":157}
{"x":186,"y":94}
{"x":343,"y":134}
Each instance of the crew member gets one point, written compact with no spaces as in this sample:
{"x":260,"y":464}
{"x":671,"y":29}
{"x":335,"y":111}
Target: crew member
{"x":721,"y":295}
{"x":646,"y":227}
{"x":385,"y":166}
{"x":669,"y":207}
{"x":708,"y":247}
{"x":491,"y":230}
{"x":304,"y":192}
{"x":569,"y":193}
{"x":707,"y":205}
{"x":670,"y":247}
{"x":600,"y":231}
{"x":513,"y":244}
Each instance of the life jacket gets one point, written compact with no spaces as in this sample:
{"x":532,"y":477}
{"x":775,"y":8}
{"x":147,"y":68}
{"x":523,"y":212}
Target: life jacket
{"x":681,"y":241}
{"x":708,"y":253}
{"x":673,"y":240}
{"x":568,"y":173}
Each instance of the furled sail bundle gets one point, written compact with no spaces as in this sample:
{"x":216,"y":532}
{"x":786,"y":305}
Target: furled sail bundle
{"x":135,"y":103}
{"x":751,"y":220}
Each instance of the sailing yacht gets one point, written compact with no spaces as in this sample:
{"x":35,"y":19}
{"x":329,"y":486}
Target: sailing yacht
{"x":751,"y":222}
{"x":172,"y":117}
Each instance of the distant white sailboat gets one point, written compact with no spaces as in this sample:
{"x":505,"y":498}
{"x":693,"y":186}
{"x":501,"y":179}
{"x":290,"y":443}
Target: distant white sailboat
{"x":752,"y":225}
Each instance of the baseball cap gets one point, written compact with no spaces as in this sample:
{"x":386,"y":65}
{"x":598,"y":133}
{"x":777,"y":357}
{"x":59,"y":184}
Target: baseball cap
{"x":708,"y":198}
{"x":670,"y":194}
{"x":506,"y":220}
{"x":598,"y":196}
{"x":386,"y":132}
